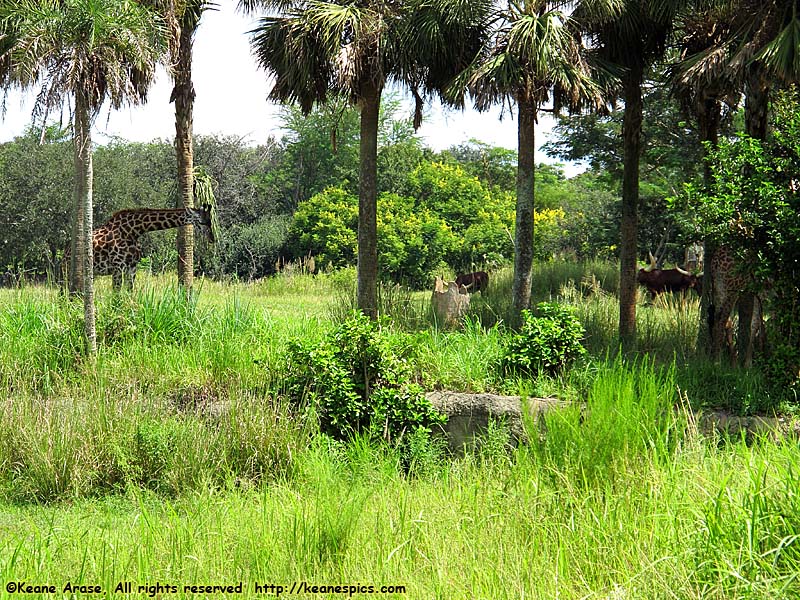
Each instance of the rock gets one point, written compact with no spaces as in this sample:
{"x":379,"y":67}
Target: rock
{"x":468,"y":415}
{"x":724,"y":423}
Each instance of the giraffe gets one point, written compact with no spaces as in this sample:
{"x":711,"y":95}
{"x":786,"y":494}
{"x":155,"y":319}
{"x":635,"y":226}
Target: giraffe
{"x":728,"y":282}
{"x":115,"y":244}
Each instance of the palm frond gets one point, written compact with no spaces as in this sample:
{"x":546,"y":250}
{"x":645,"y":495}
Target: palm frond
{"x":107,"y":47}
{"x":782,"y":54}
{"x":280,"y":6}
{"x":534,"y":55}
{"x":303,"y":71}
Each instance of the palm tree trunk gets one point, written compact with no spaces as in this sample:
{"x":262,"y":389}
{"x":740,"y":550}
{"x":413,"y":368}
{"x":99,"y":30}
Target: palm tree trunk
{"x":631,"y":132}
{"x":183,"y":95}
{"x":523,"y":236}
{"x":367,"y":295}
{"x":83,"y":189}
{"x":76,"y":242}
{"x":755,"y":117}
{"x":708,"y":119}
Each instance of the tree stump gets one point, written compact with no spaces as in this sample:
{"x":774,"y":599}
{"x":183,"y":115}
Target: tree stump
{"x":450,"y":302}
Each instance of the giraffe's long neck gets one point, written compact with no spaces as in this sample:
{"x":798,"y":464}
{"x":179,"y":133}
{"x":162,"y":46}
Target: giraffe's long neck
{"x":137,"y":222}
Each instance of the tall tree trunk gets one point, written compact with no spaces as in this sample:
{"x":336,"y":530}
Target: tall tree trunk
{"x":367,"y":295}
{"x":755,"y":117}
{"x":75,"y":266}
{"x":523,"y":236}
{"x":183,"y":96}
{"x":708,"y":118}
{"x":631,"y":133}
{"x":83,"y":189}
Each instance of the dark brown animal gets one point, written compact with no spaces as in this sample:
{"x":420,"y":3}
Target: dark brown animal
{"x":474,"y":282}
{"x":658,"y":281}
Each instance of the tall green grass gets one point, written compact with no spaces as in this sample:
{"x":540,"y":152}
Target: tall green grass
{"x":661,"y":513}
{"x":175,"y":443}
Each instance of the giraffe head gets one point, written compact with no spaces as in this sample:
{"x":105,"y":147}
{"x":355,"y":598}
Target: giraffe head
{"x":205,"y":218}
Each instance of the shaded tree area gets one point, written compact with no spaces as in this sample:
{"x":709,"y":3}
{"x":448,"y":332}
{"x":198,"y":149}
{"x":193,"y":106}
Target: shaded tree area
{"x":751,"y":204}
{"x":671,"y":156}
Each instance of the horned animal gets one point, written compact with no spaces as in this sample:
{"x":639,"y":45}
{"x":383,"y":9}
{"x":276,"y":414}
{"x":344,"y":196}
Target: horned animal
{"x":474,"y":282}
{"x":658,"y":281}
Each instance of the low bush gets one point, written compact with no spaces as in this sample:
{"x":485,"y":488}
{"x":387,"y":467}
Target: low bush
{"x":357,"y":382}
{"x":548,"y":340}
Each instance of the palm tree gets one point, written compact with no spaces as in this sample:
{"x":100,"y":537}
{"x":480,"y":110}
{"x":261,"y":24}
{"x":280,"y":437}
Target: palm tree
{"x":183,"y":18}
{"x":6,"y":43}
{"x":704,"y":84}
{"x":90,"y":51}
{"x":183,"y":96}
{"x":633,"y":39}
{"x":318,"y":49}
{"x":532,"y":55}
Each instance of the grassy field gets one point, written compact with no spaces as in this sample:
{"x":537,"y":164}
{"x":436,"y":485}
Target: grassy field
{"x":174,"y":458}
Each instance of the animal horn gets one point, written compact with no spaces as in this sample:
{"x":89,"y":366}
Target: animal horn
{"x":652,"y":264}
{"x":679,"y":270}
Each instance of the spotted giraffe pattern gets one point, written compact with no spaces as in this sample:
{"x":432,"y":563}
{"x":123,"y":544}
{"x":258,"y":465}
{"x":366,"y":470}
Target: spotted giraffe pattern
{"x":727,"y":285}
{"x":115,"y":244}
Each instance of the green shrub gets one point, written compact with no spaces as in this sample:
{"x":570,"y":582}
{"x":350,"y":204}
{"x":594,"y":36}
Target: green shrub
{"x":356,"y":382}
{"x":153,"y":452}
{"x":325,"y":226}
{"x":249,"y":250}
{"x":783,"y":370}
{"x":547,"y":341}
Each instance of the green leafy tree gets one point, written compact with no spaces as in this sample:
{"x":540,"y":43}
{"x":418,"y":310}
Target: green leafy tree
{"x":752,"y":206}
{"x":321,"y":148}
{"x":705,"y":87}
{"x":592,"y":216}
{"x":413,"y":243}
{"x":252,"y":250}
{"x":450,"y":192}
{"x":489,"y":240}
{"x":396,"y":161}
{"x":36,"y":173}
{"x":495,"y":167}
{"x":92,"y":51}
{"x":482,"y":219}
{"x":325,"y":226}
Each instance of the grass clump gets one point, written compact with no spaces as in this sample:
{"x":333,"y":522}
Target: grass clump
{"x":630,"y":412}
{"x":94,"y":445}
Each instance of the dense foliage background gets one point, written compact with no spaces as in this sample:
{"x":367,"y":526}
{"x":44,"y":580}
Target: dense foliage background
{"x":295,"y":198}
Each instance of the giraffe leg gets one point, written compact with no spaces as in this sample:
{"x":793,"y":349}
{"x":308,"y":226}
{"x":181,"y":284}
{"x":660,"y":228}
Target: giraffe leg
{"x":721,"y":329}
{"x":131,"y":277}
{"x":116,"y":281}
{"x":723,"y":332}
